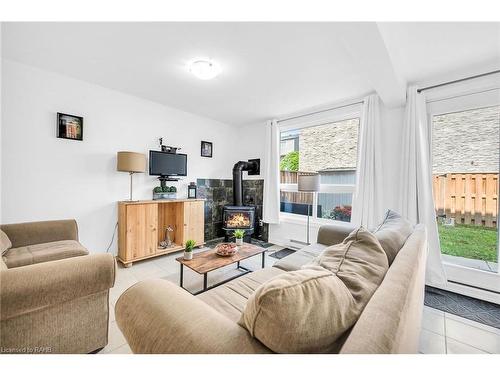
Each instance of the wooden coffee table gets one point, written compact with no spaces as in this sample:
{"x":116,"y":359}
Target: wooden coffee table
{"x":206,"y":261}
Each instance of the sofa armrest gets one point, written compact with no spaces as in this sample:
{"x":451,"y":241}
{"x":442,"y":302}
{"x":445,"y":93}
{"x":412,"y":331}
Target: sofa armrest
{"x":37,"y":286}
{"x":157,"y":316}
{"x":333,"y":234}
{"x":26,"y":234}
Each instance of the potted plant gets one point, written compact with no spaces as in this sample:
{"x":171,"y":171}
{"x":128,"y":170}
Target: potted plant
{"x":165,"y":192}
{"x":188,"y":249}
{"x":239,"y":234}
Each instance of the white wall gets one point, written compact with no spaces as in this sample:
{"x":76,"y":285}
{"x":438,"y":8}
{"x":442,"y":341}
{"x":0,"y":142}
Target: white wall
{"x":45,"y":178}
{"x":293,"y":228}
{"x":252,"y":146}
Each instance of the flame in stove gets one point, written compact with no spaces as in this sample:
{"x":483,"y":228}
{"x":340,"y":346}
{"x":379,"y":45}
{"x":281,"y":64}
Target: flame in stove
{"x":238,"y":220}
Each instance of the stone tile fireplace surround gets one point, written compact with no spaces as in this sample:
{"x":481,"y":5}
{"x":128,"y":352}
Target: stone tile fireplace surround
{"x":219,"y":193}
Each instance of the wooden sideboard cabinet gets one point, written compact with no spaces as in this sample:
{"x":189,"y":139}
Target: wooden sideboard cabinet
{"x":142,"y":225}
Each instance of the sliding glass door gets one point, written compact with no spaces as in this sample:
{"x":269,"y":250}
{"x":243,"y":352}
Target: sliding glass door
{"x":466,"y":160}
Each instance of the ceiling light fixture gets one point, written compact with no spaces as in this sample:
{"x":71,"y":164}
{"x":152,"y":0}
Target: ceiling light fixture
{"x":204,"y":68}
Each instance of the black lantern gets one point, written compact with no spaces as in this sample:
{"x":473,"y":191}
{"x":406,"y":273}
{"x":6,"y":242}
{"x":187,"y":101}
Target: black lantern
{"x":192,"y":190}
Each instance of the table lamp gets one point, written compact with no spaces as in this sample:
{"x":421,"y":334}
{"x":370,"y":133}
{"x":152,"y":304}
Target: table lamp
{"x":308,"y":182}
{"x":131,"y":162}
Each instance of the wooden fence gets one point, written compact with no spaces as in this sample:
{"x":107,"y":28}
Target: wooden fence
{"x":470,"y":198}
{"x":293,"y":197}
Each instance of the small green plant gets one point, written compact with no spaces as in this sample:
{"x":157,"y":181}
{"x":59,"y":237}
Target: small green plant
{"x":239,"y":233}
{"x":166,"y":189}
{"x":173,"y":189}
{"x":158,"y":189}
{"x":190,"y":244}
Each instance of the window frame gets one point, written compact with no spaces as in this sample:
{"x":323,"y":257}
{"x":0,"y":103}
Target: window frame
{"x":325,"y":118}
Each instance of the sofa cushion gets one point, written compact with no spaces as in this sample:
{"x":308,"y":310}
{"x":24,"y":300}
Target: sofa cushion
{"x":302,"y":311}
{"x":44,"y":252}
{"x":296,"y":260}
{"x":5,"y":243}
{"x":359,"y":261}
{"x":392,"y":233}
{"x":230,"y":298}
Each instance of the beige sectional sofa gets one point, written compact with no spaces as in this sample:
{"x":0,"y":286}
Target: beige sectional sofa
{"x":157,"y":316}
{"x":53,"y":295}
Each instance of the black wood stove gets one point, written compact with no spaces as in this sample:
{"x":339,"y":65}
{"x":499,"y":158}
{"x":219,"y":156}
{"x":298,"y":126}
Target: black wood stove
{"x":239,"y":216}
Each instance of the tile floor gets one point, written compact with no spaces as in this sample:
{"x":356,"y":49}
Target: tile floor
{"x":451,"y":334}
{"x":441,"y":332}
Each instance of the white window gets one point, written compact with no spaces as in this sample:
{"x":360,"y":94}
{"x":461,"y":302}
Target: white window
{"x":328,"y":147}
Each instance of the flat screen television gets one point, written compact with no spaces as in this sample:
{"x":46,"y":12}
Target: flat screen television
{"x":165,"y":164}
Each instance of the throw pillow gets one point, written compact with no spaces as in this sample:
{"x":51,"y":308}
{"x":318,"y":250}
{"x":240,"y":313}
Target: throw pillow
{"x":302,"y":311}
{"x":359,"y":261}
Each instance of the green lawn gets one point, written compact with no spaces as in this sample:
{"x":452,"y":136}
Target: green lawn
{"x":469,"y":241}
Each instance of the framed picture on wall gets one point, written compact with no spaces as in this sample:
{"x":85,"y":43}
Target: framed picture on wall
{"x":69,"y":126}
{"x":206,"y":149}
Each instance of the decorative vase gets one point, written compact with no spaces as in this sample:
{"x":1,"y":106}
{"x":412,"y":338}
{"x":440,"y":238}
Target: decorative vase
{"x":188,"y":255}
{"x":239,"y":241}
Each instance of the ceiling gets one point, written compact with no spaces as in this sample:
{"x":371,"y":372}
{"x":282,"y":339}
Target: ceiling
{"x":268,"y":69}
{"x":422,"y":50}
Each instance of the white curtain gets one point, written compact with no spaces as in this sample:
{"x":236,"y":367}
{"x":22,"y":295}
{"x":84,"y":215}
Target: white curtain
{"x":416,"y":200}
{"x":271,"y":209}
{"x":367,"y":207}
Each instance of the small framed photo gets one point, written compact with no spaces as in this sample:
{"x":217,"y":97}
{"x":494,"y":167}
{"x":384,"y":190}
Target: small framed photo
{"x":69,"y":126}
{"x":206,"y":149}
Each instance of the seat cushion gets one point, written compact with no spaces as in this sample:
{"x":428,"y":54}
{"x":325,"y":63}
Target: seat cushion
{"x":45,"y":252}
{"x":309,"y":310}
{"x":296,"y":260}
{"x":392,"y":234}
{"x":5,"y":243}
{"x":230,"y":298}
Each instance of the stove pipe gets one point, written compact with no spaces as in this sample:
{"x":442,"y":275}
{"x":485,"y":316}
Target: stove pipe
{"x":238,"y":168}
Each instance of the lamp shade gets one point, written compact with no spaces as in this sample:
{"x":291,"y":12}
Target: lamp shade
{"x":308,"y":182}
{"x":127,"y":161}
